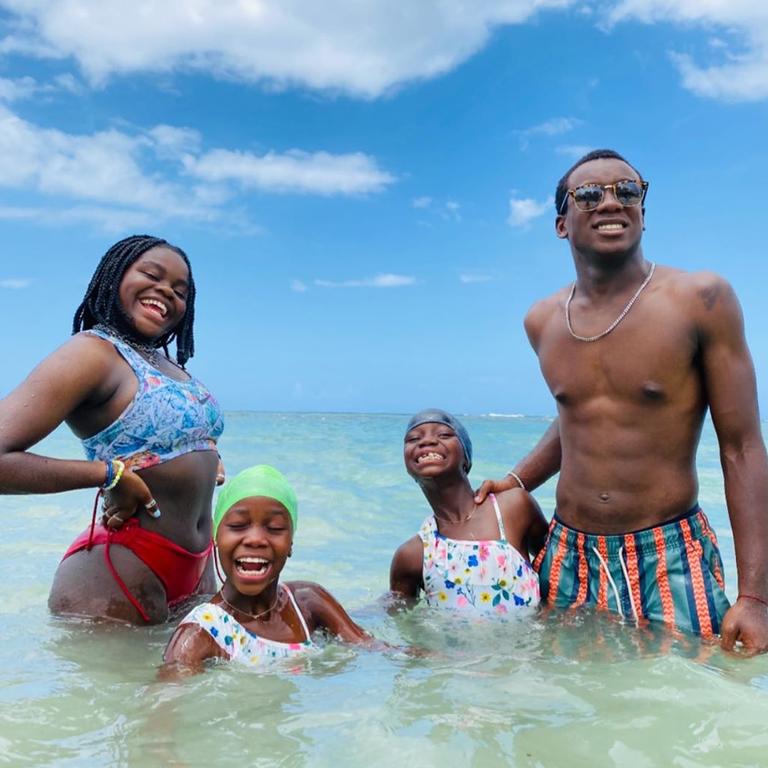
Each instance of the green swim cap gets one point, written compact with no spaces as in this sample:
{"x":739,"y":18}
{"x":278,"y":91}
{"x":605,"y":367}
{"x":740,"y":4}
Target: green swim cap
{"x":261,"y":480}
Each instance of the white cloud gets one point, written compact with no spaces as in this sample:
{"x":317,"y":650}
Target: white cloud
{"x":740,"y":73}
{"x":421,"y":202}
{"x":21,"y":88}
{"x":112,"y":178}
{"x":298,"y":286}
{"x":522,"y":211}
{"x":363,"y":47}
{"x":452,"y":209}
{"x":469,"y":278}
{"x":15,"y":283}
{"x":379,"y":281}
{"x":555,"y":126}
{"x":292,"y":171}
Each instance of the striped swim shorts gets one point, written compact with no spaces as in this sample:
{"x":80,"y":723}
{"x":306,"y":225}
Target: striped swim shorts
{"x":672,"y":573}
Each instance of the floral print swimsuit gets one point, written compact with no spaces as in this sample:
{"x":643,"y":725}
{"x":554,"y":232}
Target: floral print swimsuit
{"x":486,"y":577}
{"x":239,"y":643}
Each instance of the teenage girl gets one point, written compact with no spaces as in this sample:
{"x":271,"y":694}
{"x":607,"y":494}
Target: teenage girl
{"x":466,"y":556}
{"x":255,"y":618}
{"x":149,"y":433}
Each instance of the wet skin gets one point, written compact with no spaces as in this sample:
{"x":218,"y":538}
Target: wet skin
{"x":434,"y":457}
{"x":631,"y":405}
{"x":87,"y":384}
{"x":254,"y":541}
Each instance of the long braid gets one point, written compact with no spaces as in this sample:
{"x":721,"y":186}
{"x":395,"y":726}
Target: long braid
{"x":101,"y":303}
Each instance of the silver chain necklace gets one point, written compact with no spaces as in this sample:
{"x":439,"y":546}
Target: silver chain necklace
{"x":150,"y":352}
{"x":621,"y":316}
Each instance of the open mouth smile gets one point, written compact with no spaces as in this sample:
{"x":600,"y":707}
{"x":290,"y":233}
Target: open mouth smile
{"x":431,"y":456}
{"x":252,"y":567}
{"x":153,"y":305}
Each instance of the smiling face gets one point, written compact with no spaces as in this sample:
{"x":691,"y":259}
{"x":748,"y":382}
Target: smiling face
{"x":254,"y":540}
{"x":153,"y":291}
{"x":432,"y":449}
{"x":610,"y":227}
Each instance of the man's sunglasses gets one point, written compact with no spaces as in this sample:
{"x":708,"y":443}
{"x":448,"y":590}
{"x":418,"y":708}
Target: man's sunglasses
{"x":588,"y":196}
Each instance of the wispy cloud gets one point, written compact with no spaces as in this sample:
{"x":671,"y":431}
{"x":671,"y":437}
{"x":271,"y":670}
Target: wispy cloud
{"x":448,"y":210}
{"x":117,"y":179}
{"x":292,"y":171}
{"x":17,"y":89}
{"x":469,"y":278}
{"x":522,"y":211}
{"x":15,"y":283}
{"x":364,"y":48}
{"x":739,"y":71}
{"x":379,"y":281}
{"x":298,"y":286}
{"x":556,"y":126}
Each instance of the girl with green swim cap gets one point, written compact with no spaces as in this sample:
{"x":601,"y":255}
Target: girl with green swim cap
{"x":254,"y":618}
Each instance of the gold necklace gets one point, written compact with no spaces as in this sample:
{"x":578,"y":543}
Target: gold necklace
{"x":459,"y":522}
{"x":616,"y":321}
{"x":254,"y":616}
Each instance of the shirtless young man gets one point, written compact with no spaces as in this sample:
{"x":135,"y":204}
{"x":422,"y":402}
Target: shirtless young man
{"x":634,"y":354}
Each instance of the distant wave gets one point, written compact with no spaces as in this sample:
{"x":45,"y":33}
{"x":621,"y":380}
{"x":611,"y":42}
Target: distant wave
{"x":505,"y":415}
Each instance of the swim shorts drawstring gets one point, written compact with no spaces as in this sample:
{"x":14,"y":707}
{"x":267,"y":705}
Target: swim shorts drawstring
{"x":625,"y":573}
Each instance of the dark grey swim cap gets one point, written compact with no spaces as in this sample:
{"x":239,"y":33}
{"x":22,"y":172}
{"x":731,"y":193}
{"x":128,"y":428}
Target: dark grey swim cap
{"x":436,"y":416}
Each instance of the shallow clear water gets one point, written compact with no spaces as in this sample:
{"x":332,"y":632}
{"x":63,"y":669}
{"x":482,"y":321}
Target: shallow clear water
{"x":558,"y":689}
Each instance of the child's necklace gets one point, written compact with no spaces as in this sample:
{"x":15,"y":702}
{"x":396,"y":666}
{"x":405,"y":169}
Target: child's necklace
{"x":254,"y":616}
{"x":461,"y":521}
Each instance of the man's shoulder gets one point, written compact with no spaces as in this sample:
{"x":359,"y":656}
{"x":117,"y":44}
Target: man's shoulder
{"x":543,"y":308}
{"x":702,"y":287}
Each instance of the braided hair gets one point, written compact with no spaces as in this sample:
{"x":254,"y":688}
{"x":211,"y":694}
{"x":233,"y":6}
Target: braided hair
{"x":561,"y":193}
{"x":101,"y":303}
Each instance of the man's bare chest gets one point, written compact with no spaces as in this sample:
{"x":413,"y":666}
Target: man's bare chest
{"x":636,"y":363}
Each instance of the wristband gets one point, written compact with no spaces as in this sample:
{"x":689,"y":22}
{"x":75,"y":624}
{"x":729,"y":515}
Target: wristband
{"x":517,"y":477}
{"x":110,"y":475}
{"x":116,"y":469}
{"x":753,"y":597}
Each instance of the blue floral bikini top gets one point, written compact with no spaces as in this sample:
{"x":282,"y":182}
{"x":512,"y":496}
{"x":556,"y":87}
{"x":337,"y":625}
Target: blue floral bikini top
{"x":166,"y":418}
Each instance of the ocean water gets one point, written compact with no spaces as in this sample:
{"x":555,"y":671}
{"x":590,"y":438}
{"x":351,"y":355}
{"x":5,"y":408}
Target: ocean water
{"x":557,"y":689}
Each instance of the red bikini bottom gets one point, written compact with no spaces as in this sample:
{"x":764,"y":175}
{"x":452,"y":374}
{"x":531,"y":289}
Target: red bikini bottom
{"x":179,"y":570}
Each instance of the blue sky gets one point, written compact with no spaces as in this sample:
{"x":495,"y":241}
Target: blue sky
{"x":364,"y":187}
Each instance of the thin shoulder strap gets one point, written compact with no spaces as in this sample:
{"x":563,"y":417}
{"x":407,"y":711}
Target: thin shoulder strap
{"x":499,"y":520}
{"x":298,"y":612}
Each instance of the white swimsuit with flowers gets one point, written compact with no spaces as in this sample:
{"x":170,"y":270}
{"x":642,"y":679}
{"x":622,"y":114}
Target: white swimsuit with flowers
{"x":239,"y":643}
{"x":489,"y":577}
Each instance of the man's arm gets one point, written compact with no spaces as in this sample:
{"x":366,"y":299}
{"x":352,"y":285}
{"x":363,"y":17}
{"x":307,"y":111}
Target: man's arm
{"x":729,"y":379}
{"x":544,"y":460}
{"x":534,"y":470}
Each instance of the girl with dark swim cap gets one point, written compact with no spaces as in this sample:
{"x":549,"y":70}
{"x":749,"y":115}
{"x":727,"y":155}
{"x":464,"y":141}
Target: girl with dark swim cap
{"x":467,"y":557}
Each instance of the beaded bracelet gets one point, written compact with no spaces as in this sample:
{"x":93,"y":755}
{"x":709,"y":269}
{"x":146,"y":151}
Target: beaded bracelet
{"x":755,"y":598}
{"x":517,"y":477}
{"x":115,"y":469}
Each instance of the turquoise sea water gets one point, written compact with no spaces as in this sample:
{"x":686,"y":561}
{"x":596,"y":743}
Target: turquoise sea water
{"x":556,"y":690}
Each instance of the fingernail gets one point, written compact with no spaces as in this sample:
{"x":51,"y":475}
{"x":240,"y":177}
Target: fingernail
{"x":155,"y":513}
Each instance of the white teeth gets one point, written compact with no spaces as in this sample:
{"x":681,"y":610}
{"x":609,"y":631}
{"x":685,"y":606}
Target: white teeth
{"x":252,"y":560}
{"x":611,"y":227}
{"x":429,"y":457}
{"x":155,"y":303}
